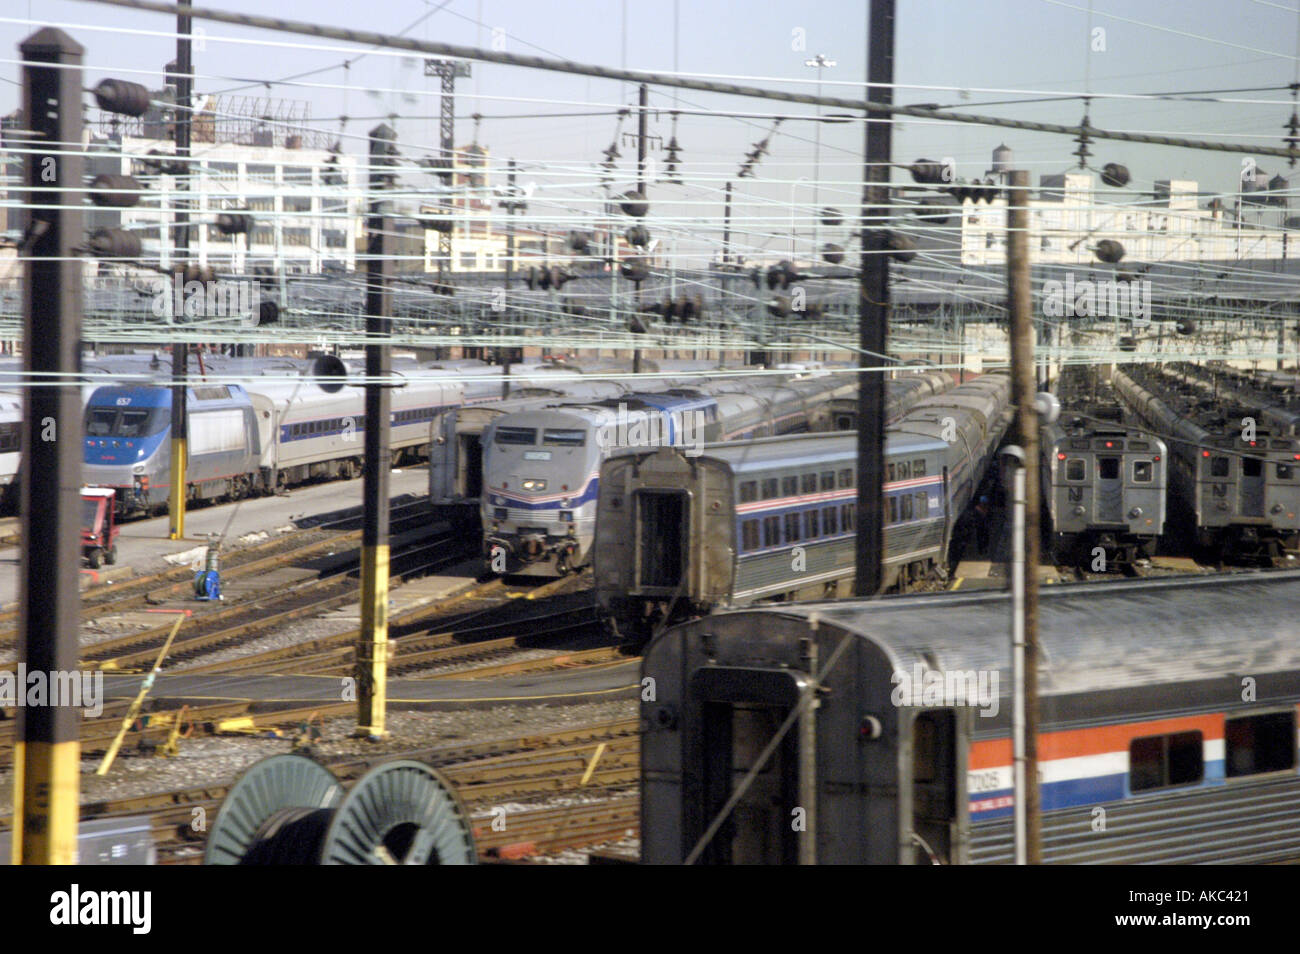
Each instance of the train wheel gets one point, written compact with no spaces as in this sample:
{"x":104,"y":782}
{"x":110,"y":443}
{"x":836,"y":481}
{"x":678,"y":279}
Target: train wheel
{"x":110,"y":555}
{"x":94,"y":558}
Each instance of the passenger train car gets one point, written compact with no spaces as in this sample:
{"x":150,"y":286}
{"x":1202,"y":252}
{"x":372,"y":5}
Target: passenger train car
{"x":1104,"y":486}
{"x":1167,"y":734}
{"x":775,"y":519}
{"x":1240,"y":488}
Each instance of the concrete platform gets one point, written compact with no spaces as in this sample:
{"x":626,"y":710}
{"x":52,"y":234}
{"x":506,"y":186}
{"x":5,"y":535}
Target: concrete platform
{"x":143,"y":546}
{"x":992,"y":575}
{"x":409,"y":596}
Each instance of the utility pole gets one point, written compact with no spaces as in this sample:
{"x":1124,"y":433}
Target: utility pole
{"x":1023,"y":396}
{"x":873,"y":328}
{"x":642,"y":187}
{"x":180,"y":349}
{"x":46,"y":759}
{"x":447,"y":71}
{"x":512,"y":205}
{"x":372,"y":649}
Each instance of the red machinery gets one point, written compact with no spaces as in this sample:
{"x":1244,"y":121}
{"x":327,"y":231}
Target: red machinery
{"x":98,"y":525}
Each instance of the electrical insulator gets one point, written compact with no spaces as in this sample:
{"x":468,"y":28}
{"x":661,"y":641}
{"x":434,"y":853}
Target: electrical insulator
{"x":1185,"y":326}
{"x":121,"y":97}
{"x":929,"y":172}
{"x":634,"y":204}
{"x":118,"y":192}
{"x":636,"y":326}
{"x":637,"y":235}
{"x":114,"y":243}
{"x":559,"y":277}
{"x":578,"y":241}
{"x":833,"y":253}
{"x":779,"y":306}
{"x":685,"y":309}
{"x":1114,"y":175}
{"x":234,"y":223}
{"x":1109,"y":251}
{"x":634,"y":269}
{"x":832,"y":217}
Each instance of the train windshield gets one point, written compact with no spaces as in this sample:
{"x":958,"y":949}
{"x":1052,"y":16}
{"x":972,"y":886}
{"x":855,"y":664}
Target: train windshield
{"x":125,"y":421}
{"x":564,"y":438}
{"x":516,"y":435}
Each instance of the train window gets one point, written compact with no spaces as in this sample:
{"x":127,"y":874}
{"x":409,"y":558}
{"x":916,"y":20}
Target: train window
{"x":918,"y":467}
{"x":1076,"y":468}
{"x":829,"y":522}
{"x":1161,"y":761}
{"x":749,"y":535}
{"x":99,"y":422}
{"x":792,"y":528}
{"x":771,"y":531}
{"x":893,"y":510}
{"x":889,"y":473}
{"x":905,"y":507}
{"x":1108,"y":468}
{"x":828,"y":479}
{"x":1142,"y":471}
{"x":1138,"y":445}
{"x":810,"y":522}
{"x":1285,"y":471}
{"x":809,"y":483}
{"x":770,"y":486}
{"x":789,"y":486}
{"x":845,"y":478}
{"x":1260,"y":743}
{"x":564,"y":437}
{"x":922,"y":505}
{"x":516,"y":435}
{"x":1251,"y":467}
{"x":748,"y":491}
{"x":1218,"y":467}
{"x":846,"y":517}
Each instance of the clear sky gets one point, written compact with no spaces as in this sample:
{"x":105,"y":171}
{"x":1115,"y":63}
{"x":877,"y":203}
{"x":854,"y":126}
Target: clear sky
{"x":1148,"y":46}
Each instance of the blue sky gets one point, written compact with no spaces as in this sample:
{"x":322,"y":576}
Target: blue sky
{"x":1031,"y":45}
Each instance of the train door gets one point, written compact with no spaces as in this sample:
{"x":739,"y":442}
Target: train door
{"x":1252,"y":487}
{"x":1109,"y":488}
{"x":469,"y":465}
{"x":934,"y":786}
{"x":742,"y":711}
{"x":662,"y":541}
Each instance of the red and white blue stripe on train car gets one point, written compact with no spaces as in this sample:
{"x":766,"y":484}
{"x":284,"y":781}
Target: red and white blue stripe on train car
{"x":1091,"y":766}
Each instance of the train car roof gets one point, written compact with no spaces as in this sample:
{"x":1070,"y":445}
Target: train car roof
{"x":1095,"y":637}
{"x":108,"y":395}
{"x":797,"y":450}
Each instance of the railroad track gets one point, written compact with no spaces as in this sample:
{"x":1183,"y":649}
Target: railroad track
{"x":222,"y":627}
{"x":259,"y":558}
{"x":420,"y":629}
{"x":485,"y":773}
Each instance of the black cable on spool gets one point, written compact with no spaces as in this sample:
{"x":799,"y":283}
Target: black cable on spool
{"x":290,"y":836}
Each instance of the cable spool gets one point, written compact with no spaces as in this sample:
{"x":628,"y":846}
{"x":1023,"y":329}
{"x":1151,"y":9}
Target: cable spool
{"x":255,"y":816}
{"x":289,"y":809}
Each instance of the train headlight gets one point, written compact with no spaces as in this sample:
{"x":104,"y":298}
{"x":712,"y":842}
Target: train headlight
{"x":1276,"y":508}
{"x":1135,"y":513}
{"x":534,"y":485}
{"x":138,"y":468}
